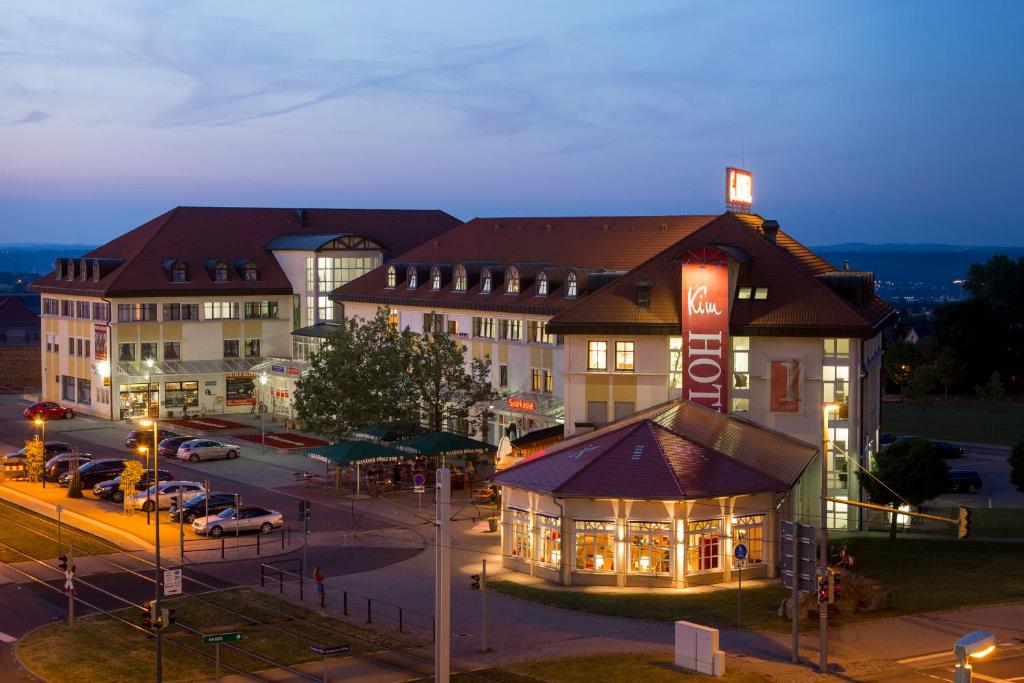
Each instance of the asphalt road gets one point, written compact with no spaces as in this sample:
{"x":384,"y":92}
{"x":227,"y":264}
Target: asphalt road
{"x":997,"y":667}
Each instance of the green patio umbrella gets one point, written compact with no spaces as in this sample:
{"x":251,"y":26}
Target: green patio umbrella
{"x":444,"y":444}
{"x":355,"y":453}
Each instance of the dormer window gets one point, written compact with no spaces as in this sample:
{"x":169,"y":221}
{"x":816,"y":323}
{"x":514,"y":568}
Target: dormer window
{"x":571,"y":285}
{"x":83,"y":270}
{"x":486,"y":282}
{"x":461,"y":281}
{"x":512,"y":286}
{"x":392,"y":277}
{"x":179,"y":272}
{"x":220,"y":272}
{"x":410,"y":275}
{"x":435,"y":278}
{"x":542,"y":284}
{"x":251,"y":272}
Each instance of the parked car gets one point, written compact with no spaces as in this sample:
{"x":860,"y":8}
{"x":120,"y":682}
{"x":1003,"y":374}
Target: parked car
{"x":946,"y":450}
{"x":206,"y":449}
{"x":48,"y":410}
{"x":168,"y":448}
{"x":94,"y":471}
{"x":247,"y":518}
{"x":112,"y":487}
{"x":964,"y":481}
{"x":165,"y":493}
{"x":144,"y":437}
{"x":59,"y":464}
{"x":50,"y":449}
{"x":203,"y":505}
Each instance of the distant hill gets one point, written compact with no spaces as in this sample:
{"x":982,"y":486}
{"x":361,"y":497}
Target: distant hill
{"x":37,"y":257}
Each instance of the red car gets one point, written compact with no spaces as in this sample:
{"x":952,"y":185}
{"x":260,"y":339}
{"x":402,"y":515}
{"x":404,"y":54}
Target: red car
{"x":48,"y":410}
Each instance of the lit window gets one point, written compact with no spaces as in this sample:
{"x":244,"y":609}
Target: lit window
{"x":220,"y":272}
{"x":761,"y":293}
{"x":740,"y":404}
{"x":741,"y":362}
{"x":549,"y":541}
{"x":435,"y":278}
{"x":179,"y":273}
{"x":549,"y":382}
{"x":595,"y":546}
{"x":535,"y":379}
{"x":512,"y":286}
{"x":749,"y":530}
{"x":519,"y":533}
{"x":487,"y":282}
{"x":649,"y":548}
{"x":702,"y":541}
{"x":231,"y":348}
{"x":571,"y":285}
{"x":542,"y":284}
{"x":624,"y":355}
{"x":461,"y":280}
{"x":597,"y":355}
{"x":393,"y":319}
{"x":392,"y":277}
{"x":252,"y":348}
{"x":252,"y":273}
{"x":410,"y":275}
{"x":744,"y":293}
{"x":675,"y":365}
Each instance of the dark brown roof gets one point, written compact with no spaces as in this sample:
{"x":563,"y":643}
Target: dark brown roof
{"x":14,"y":313}
{"x":591,"y":246}
{"x":138,"y":262}
{"x":800,"y":301}
{"x":678,"y":450}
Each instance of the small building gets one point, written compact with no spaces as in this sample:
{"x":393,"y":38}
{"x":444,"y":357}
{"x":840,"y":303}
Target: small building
{"x":657,"y":499}
{"x":19,"y":345}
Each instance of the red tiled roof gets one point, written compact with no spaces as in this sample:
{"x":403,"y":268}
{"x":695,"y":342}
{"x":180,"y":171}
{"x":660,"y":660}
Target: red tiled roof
{"x":677,"y":450}
{"x":199,"y":235}
{"x":598,"y":243}
{"x":798,"y":302}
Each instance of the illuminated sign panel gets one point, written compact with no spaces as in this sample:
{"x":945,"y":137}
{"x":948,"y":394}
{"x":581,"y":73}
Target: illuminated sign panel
{"x":523,"y":404}
{"x":705,"y":307}
{"x":739,"y":187}
{"x":785,"y":386}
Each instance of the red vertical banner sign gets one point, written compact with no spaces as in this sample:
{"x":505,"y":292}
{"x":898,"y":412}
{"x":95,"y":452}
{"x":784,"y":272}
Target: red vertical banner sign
{"x":705,"y":307}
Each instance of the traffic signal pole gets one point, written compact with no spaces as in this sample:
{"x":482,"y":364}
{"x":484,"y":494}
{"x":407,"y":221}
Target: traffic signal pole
{"x":442,"y":576}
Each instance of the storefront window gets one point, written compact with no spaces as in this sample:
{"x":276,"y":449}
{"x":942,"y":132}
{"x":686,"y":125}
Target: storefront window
{"x":133,"y":399}
{"x":179,"y":394}
{"x":519,"y":533}
{"x":85,"y":391}
{"x":702,"y":540}
{"x":67,"y":388}
{"x":595,"y":546}
{"x":749,"y":530}
{"x":240,"y":390}
{"x":549,"y":551}
{"x":649,"y":547}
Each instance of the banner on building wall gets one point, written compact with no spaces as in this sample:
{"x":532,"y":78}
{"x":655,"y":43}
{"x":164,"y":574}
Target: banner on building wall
{"x":785,"y":386}
{"x":705,"y":308}
{"x":99,"y":343}
{"x":240,"y":388}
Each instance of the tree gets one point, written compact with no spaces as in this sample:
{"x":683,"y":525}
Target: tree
{"x":900,"y":359}
{"x":74,"y":481}
{"x":1017,"y":466}
{"x":909,"y":471}
{"x":993,"y":394}
{"x":444,"y":391}
{"x":949,"y":370}
{"x":130,"y":477}
{"x":34,"y":459}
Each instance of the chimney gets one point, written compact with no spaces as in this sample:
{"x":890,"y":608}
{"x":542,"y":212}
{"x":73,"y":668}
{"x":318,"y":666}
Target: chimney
{"x":643,"y":294}
{"x":770,"y":229}
{"x":300,"y":214}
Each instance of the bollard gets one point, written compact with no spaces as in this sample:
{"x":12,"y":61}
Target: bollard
{"x":433,"y":630}
{"x":399,"y":619}
{"x":369,"y":611}
{"x":301,"y":582}
{"x":282,"y":538}
{"x":263,"y":581}
{"x":344,"y":603}
{"x":222,"y":547}
{"x":280,"y":579}
{"x":258,"y":545}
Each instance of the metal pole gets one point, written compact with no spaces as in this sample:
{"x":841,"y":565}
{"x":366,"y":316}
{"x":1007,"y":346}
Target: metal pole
{"x":795,"y":596}
{"x":181,"y":525}
{"x":483,"y":601}
{"x":739,"y":595}
{"x":442,"y":576}
{"x":44,"y":452}
{"x":147,"y":488}
{"x":823,"y":550}
{"x":159,"y":574}
{"x":305,"y":535}
{"x":238,"y":503}
{"x":59,"y":508}
{"x":216,"y":657}
{"x":71,"y":592}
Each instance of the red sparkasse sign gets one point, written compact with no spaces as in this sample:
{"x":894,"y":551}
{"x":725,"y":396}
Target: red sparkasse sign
{"x":705,"y":306}
{"x":525,"y":404}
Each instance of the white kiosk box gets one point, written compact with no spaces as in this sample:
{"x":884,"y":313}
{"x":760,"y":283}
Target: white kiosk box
{"x":697,"y":649}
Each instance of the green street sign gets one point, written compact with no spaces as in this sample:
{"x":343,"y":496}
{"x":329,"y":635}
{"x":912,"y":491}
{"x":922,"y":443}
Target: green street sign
{"x":214,"y":638}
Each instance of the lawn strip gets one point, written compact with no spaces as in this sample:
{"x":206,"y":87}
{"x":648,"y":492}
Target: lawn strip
{"x":33,"y":542}
{"x":965,"y":420}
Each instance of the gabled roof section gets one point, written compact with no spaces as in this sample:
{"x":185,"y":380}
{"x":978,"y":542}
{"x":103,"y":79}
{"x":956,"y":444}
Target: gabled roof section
{"x":800,"y":300}
{"x":676,"y":451}
{"x":193,"y":235}
{"x":14,"y":313}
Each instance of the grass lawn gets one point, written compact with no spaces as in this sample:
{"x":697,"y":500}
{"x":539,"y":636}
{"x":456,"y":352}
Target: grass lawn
{"x":923,"y":574}
{"x":956,"y":420}
{"x":28,"y":532}
{"x":997,"y":523}
{"x":45,"y":650}
{"x":606,"y":668}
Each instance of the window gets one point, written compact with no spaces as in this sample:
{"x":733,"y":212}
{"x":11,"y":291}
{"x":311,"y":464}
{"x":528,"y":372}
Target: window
{"x":392,"y":277}
{"x":761,"y":293}
{"x":82,"y":310}
{"x":624,"y":356}
{"x":483,"y":327}
{"x":486,"y":282}
{"x":435,"y":278}
{"x":740,"y":404}
{"x":502,"y":375}
{"x":571,"y":285}
{"x":675,"y":366}
{"x":220,"y":310}
{"x":178,"y":394}
{"x":649,"y":547}
{"x":251,"y":272}
{"x":410,"y":275}
{"x":549,"y":381}
{"x":838,"y":466}
{"x":66,"y":310}
{"x":172,"y":350}
{"x":595,"y":546}
{"x":80,"y":347}
{"x":836,"y":384}
{"x":535,"y":380}
{"x":87,"y":343}
{"x":537,"y":333}
{"x":252,"y":348}
{"x":126,"y":351}
{"x":542,"y":284}
{"x":702,"y":545}
{"x":261,"y":309}
{"x":67,"y":391}
{"x":549,"y":540}
{"x":837,"y":514}
{"x":148,"y":350}
{"x":749,"y":530}
{"x":452,"y":327}
{"x":461,"y":279}
{"x":597,"y":413}
{"x":597,"y":355}
{"x":220,"y":272}
{"x":837,"y":348}
{"x":136,"y":312}
{"x":624,"y":409}
{"x":231,"y":348}
{"x":179,"y":273}
{"x":101,"y":312}
{"x":512,"y":283}
{"x":744,"y":293}
{"x":51,"y":307}
{"x":84,"y":392}
{"x":393,"y":319}
{"x":512,"y":330}
{"x":433,"y":323}
{"x":741,"y":362}
{"x":519,"y":533}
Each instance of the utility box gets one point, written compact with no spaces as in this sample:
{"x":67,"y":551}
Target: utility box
{"x":697,"y":649}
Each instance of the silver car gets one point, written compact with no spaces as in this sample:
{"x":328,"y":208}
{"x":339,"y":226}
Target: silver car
{"x":169,"y":492}
{"x":207,"y":449}
{"x":248,"y":518}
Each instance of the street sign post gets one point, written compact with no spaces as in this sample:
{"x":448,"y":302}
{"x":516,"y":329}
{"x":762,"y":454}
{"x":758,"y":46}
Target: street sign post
{"x":172,"y":582}
{"x":798,"y":570}
{"x":740,"y":553}
{"x":216,"y":639}
{"x":419,"y":482}
{"x":324,"y":650}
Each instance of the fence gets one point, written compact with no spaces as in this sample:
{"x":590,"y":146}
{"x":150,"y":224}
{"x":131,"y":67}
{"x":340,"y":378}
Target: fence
{"x":262,"y":542}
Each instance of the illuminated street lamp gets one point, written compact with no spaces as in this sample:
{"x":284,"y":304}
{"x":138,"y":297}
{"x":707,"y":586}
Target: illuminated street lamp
{"x":977,"y":644}
{"x":148,"y":422}
{"x":41,"y":423}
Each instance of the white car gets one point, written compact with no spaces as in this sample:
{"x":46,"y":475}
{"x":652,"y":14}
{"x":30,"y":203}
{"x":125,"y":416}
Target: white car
{"x":207,"y":449}
{"x":248,"y":518}
{"x":169,"y":492}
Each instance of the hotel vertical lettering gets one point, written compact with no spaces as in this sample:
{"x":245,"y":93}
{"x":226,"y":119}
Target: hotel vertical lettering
{"x":705,"y":291}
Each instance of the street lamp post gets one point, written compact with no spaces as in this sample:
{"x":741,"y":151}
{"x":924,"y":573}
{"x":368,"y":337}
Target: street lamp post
{"x":41,"y":423}
{"x":260,"y":407}
{"x":151,"y":421}
{"x":826,"y":410}
{"x":144,"y":452}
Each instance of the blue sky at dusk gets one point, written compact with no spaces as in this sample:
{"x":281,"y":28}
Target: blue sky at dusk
{"x":862,"y":121}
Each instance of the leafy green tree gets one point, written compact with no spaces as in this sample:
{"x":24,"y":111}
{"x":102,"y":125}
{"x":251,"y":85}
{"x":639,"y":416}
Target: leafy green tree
{"x":907,"y":470}
{"x":1017,"y":466}
{"x":444,"y":391}
{"x":993,"y":394}
{"x":900,"y":359}
{"x":949,"y":371}
{"x":130,"y":477}
{"x":34,"y":459}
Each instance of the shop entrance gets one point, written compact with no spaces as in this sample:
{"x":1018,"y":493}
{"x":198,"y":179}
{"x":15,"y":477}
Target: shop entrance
{"x":133,"y":400}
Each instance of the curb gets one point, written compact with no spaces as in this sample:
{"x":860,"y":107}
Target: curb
{"x":17,"y":658}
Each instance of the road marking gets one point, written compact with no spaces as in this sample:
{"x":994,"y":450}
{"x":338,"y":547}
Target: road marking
{"x":990,"y":679}
{"x":6,"y":638}
{"x":921,"y":658}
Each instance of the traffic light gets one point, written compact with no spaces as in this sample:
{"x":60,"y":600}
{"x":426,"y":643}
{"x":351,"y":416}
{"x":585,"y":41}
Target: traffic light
{"x":475,"y":585}
{"x":305,"y":510}
{"x":963,"y":527}
{"x":835,"y":586}
{"x":63,"y":562}
{"x":148,"y":613}
{"x":823,"y":589}
{"x":166,"y":616}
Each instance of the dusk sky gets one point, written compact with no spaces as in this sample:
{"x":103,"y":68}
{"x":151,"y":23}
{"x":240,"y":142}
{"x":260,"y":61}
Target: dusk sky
{"x":862,"y":121}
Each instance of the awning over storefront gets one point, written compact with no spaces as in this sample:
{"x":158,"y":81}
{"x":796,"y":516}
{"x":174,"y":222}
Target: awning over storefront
{"x":188,"y":368}
{"x":319,"y":330}
{"x":444,"y":443}
{"x":281,"y":367}
{"x":357,"y":452}
{"x":543,"y":406}
{"x":393,"y":432}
